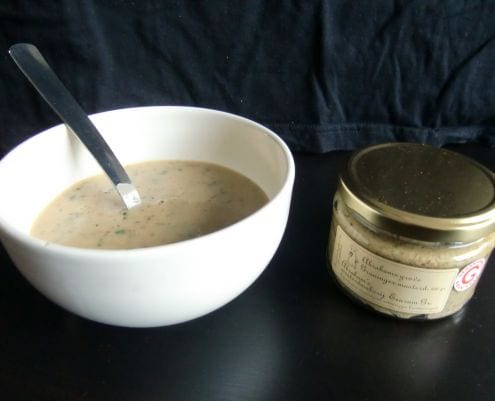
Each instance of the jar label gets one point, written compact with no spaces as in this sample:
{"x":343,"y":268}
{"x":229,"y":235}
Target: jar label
{"x":388,"y":284}
{"x":469,"y":275}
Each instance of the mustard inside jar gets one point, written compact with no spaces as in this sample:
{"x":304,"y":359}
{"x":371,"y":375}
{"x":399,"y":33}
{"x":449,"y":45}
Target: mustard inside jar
{"x":412,"y":229}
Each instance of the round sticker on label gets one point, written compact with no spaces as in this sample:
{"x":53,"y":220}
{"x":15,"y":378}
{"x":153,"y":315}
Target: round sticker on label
{"x":469,"y":274}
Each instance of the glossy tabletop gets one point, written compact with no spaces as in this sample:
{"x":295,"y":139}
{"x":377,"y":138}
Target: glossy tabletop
{"x":293,"y":335}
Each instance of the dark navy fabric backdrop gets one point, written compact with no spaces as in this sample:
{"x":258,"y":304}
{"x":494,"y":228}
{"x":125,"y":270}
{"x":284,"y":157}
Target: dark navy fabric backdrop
{"x":324,"y":75}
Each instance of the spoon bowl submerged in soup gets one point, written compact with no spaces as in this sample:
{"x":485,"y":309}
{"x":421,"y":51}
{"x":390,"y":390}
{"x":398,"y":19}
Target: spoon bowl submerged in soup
{"x":180,"y":200}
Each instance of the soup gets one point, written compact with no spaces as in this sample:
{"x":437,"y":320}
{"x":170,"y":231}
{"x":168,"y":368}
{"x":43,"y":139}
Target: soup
{"x":180,"y":200}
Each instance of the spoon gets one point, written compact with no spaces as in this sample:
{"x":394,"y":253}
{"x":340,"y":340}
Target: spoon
{"x":38,"y":72}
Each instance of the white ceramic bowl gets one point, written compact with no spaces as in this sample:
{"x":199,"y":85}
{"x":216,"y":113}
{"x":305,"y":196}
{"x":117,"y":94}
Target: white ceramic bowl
{"x":152,"y":286}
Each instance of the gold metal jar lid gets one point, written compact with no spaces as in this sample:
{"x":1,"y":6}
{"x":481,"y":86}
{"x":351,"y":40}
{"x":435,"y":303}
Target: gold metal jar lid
{"x":420,"y":192}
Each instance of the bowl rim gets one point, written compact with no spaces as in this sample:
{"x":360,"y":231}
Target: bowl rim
{"x":8,"y":230}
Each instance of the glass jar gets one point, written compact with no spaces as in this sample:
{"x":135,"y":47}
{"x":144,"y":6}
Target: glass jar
{"x":412,"y":229}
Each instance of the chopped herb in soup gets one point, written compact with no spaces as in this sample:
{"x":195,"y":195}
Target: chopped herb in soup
{"x":180,"y":200}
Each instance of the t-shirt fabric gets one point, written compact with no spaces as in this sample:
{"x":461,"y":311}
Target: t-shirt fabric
{"x":323,"y":74}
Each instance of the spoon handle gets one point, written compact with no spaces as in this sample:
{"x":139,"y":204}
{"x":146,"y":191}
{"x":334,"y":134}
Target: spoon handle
{"x":36,"y":69}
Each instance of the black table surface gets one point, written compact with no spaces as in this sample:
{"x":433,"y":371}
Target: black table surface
{"x":293,"y":335}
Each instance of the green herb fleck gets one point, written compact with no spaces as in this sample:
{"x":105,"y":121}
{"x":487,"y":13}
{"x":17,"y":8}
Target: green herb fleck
{"x":121,"y":231}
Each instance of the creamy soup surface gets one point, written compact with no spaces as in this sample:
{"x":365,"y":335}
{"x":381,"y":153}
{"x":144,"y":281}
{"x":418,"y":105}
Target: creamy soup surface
{"x":180,"y":200}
